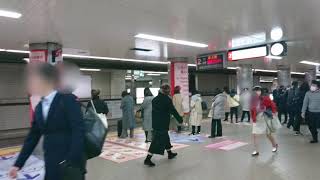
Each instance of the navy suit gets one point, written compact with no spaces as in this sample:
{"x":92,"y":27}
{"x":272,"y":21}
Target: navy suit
{"x":63,"y":133}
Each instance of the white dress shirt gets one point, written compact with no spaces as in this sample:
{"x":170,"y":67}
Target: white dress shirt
{"x":46,"y":104}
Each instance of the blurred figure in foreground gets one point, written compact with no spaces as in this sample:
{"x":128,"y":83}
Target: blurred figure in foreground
{"x":63,"y":132}
{"x":162,"y":109}
{"x":312,"y":104}
{"x":146,"y":108}
{"x":128,"y":118}
{"x":263,"y":111}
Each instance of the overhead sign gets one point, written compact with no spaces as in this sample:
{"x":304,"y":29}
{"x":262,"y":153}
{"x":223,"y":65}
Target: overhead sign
{"x":211,"y":61}
{"x":251,"y":40}
{"x":248,"y":53}
{"x":38,"y":55}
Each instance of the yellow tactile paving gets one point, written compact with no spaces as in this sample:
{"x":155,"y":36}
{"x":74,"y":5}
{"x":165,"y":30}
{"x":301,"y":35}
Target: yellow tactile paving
{"x":9,"y":150}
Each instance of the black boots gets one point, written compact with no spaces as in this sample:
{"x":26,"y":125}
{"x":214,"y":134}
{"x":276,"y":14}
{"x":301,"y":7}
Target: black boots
{"x":193,"y":130}
{"x":172,"y":155}
{"x":199,"y":130}
{"x":148,"y":161}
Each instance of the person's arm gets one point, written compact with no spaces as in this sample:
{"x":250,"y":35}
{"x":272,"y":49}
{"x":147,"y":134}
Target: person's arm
{"x":106,"y":108}
{"x":29,"y":144}
{"x":305,"y":103}
{"x":269,"y":104}
{"x":75,"y":119}
{"x":174,"y":112}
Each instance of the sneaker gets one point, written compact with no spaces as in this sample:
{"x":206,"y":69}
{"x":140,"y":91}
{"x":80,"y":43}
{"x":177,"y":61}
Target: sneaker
{"x":275,"y":149}
{"x":149,"y":163}
{"x":172,"y":155}
{"x":255,"y":153}
{"x":314,"y":141}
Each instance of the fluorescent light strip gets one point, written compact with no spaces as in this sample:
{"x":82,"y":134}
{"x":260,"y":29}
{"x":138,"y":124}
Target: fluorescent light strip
{"x":26,"y":59}
{"x":88,"y":69}
{"x":264,"y":70}
{"x":115,"y":59}
{"x":192,"y":65}
{"x":10,"y":14}
{"x":274,"y":57}
{"x":17,"y":51}
{"x":155,"y":72}
{"x":310,"y":63}
{"x":170,"y":40}
{"x":232,"y":68}
{"x":298,"y":73}
{"x":265,"y":81}
{"x":2,"y":50}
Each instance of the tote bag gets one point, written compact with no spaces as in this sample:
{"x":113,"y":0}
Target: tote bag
{"x":102,"y":116}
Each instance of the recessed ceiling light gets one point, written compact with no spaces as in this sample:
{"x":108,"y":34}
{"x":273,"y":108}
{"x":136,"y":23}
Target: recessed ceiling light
{"x":88,"y":69}
{"x":310,"y":63}
{"x":276,"y":33}
{"x":170,"y":40}
{"x":10,"y":14}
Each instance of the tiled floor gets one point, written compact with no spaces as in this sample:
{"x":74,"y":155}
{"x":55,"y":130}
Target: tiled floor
{"x":296,"y":160}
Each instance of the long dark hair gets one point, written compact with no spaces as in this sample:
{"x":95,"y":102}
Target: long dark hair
{"x":147,"y":92}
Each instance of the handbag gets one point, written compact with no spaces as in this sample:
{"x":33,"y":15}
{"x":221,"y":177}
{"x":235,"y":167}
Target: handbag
{"x":273,"y":124}
{"x":102,"y":116}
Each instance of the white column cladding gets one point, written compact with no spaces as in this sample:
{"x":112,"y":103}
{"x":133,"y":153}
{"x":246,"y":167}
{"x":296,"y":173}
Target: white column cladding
{"x":284,"y":76}
{"x":244,"y":77}
{"x":311,"y":74}
{"x":117,"y":83}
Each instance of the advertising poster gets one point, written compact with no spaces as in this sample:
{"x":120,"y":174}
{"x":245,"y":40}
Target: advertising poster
{"x":115,"y":111}
{"x":179,"y":77}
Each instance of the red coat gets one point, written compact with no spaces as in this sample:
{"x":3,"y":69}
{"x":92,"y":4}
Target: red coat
{"x":266,"y":103}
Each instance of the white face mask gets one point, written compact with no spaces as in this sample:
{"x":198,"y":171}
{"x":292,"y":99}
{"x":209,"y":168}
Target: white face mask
{"x":313,"y":88}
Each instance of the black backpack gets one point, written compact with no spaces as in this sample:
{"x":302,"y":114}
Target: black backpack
{"x":95,"y":132}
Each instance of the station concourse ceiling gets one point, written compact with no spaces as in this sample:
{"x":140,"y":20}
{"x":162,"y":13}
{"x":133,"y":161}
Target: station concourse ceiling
{"x":108,"y":27}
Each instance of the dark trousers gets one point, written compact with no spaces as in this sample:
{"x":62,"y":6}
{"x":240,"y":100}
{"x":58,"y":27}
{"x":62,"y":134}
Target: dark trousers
{"x":292,"y":116}
{"x":313,"y":124}
{"x":244,"y":113}
{"x":234,"y":111}
{"x":119,"y":128}
{"x":216,"y":127}
{"x":297,"y":123}
{"x":280,"y":113}
{"x":194,"y":130}
{"x":226,"y":116}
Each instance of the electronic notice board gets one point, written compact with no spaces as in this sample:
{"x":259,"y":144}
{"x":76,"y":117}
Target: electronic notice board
{"x":211,"y":61}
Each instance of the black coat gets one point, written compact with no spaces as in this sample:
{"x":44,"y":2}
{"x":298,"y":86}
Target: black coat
{"x":63,"y":133}
{"x":162,"y":109}
{"x":100,"y":105}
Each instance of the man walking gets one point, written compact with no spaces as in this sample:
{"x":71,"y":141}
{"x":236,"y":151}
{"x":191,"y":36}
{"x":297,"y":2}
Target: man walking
{"x":59,"y":119}
{"x":312,"y":103}
{"x":162,"y":108}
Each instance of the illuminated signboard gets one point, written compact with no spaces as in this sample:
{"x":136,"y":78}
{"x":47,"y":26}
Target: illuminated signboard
{"x":211,"y":61}
{"x":247,"y":53}
{"x":250,"y":40}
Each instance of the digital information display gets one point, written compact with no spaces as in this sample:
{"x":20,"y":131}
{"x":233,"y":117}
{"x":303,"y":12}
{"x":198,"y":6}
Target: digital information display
{"x":247,"y":53}
{"x":211,"y":61}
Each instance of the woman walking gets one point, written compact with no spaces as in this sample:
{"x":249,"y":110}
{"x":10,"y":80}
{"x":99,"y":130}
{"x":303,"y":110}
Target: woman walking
{"x":128,"y":119}
{"x":263,"y":110}
{"x":196,"y":113}
{"x":146,"y":108}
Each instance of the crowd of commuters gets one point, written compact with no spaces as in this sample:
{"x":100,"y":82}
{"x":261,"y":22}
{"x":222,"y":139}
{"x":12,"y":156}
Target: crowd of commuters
{"x":64,"y":133}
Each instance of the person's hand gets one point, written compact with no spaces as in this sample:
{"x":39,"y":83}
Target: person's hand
{"x":303,"y":115}
{"x":13,"y":173}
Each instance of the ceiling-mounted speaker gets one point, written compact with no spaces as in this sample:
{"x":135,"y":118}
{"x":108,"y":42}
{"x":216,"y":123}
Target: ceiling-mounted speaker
{"x":278,"y":49}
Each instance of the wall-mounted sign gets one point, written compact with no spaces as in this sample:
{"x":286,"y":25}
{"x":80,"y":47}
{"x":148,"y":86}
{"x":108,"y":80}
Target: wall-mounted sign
{"x":248,"y":53}
{"x":278,"y":49}
{"x":211,"y":61}
{"x":38,"y":55}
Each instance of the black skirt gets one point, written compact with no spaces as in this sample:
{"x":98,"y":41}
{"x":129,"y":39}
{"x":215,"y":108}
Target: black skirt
{"x":160,"y":142}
